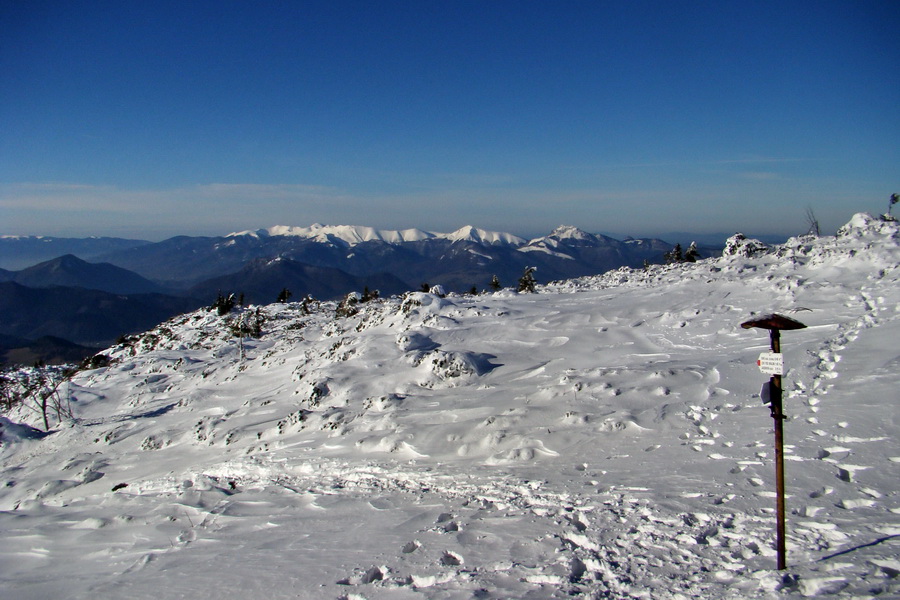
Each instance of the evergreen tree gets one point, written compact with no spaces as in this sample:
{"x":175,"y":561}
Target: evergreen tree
{"x":223,"y":305}
{"x":527,"y":281}
{"x":692,"y":254}
{"x":676,"y":255}
{"x":495,"y":284}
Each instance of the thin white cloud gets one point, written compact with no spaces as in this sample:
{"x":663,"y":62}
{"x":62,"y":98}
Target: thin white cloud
{"x":760,"y":175}
{"x":259,"y":191}
{"x":58,"y":208}
{"x":702,"y":163}
{"x":64,"y":197}
{"x":102,"y":198}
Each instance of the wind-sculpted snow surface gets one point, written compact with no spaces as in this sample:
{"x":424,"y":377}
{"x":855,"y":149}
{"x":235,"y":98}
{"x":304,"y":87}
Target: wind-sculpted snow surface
{"x":603,"y":438}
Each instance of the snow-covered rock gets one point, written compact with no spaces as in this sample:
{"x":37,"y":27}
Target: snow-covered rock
{"x":865,"y":225}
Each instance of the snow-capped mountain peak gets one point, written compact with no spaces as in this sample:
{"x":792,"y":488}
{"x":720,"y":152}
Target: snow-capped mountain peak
{"x":352,"y":235}
{"x":482,"y":236}
{"x":565,"y":239}
{"x":569,"y":232}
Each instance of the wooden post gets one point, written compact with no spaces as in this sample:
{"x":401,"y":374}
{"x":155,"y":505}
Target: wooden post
{"x":775,"y":323}
{"x":778,"y":417}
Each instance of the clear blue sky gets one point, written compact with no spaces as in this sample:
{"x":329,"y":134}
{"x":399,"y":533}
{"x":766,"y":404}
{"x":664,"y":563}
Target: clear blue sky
{"x":150,"y":119}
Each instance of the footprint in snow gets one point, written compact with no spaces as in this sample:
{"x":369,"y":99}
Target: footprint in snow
{"x":446,"y":524}
{"x":370,"y":576}
{"x":451,"y":527}
{"x":846,"y":472}
{"x":821,"y":492}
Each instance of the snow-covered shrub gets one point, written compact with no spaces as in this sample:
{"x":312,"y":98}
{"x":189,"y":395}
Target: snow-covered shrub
{"x":37,"y":392}
{"x":97,"y":361}
{"x":446,"y":369}
{"x":248,"y":325}
{"x":348,"y":306}
{"x":741,"y":245}
{"x":319,"y":390}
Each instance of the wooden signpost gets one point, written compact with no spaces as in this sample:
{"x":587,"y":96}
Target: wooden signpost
{"x":772,"y":363}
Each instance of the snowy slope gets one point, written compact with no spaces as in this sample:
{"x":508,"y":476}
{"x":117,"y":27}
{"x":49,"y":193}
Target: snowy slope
{"x":601,"y":438}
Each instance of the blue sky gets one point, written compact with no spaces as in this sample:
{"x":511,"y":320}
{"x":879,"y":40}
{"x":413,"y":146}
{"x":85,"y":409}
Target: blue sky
{"x":151,"y":119}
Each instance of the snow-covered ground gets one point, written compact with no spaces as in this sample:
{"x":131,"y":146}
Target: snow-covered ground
{"x":603,"y":438}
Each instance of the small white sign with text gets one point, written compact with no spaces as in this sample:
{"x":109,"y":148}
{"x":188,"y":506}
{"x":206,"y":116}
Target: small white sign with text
{"x":771,"y":363}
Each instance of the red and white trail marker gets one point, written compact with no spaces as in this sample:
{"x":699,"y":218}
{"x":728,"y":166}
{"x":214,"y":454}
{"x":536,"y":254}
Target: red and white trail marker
{"x":771,"y":363}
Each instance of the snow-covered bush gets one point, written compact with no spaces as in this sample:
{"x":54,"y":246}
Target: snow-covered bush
{"x":37,"y":392}
{"x":248,"y":324}
{"x":741,"y":245}
{"x":348,"y":306}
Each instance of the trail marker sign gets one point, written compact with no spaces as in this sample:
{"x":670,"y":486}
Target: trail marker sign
{"x":771,"y":363}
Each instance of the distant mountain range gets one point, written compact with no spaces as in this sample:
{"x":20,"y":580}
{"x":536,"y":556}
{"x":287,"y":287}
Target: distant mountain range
{"x":47,"y":349}
{"x":262,"y":279}
{"x":458,"y":260}
{"x":87,"y":317}
{"x":131,"y":285}
{"x":18,"y":252}
{"x":71,"y":271}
